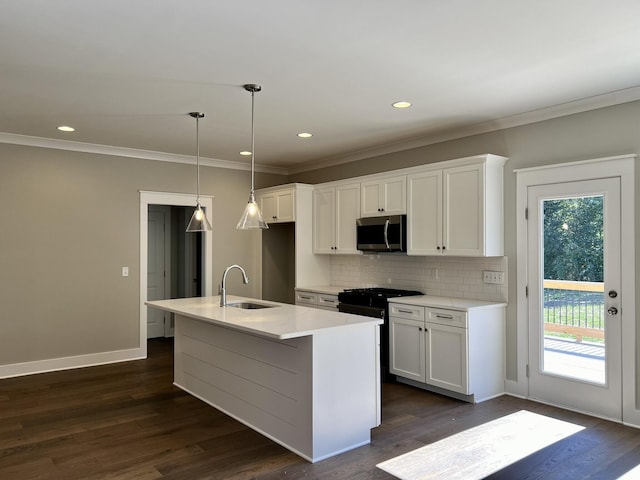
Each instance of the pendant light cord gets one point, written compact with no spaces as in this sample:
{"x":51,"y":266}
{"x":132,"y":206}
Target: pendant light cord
{"x":253,"y":140}
{"x":198,"y":160}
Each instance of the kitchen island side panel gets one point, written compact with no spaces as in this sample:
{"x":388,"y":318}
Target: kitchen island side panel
{"x":263,"y":383}
{"x":346,"y":388}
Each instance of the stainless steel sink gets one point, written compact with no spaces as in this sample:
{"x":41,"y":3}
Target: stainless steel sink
{"x":249,"y":305}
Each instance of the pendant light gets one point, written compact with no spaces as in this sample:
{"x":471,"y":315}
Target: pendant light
{"x":198,"y":222}
{"x":252,"y":217}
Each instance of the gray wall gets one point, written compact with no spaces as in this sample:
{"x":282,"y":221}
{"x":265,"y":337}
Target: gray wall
{"x":599,"y":133}
{"x":68,"y":223}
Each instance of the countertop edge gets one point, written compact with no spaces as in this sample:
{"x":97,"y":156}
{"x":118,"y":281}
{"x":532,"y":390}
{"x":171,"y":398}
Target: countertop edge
{"x":452,"y":303}
{"x":322,"y":289}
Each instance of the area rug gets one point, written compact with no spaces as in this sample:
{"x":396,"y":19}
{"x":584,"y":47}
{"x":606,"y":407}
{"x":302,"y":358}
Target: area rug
{"x":482,"y":450}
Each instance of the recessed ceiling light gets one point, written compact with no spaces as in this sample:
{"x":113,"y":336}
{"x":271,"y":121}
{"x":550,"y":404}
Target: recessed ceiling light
{"x":246,"y":153}
{"x":305,"y":135}
{"x":66,"y":128}
{"x":401,"y":104}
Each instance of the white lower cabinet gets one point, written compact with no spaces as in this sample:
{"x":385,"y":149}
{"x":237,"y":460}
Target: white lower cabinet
{"x":455,"y":352}
{"x":323,"y":301}
{"x":407,"y":348}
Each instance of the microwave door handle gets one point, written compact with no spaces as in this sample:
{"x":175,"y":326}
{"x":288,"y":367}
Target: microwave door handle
{"x":386,"y":234}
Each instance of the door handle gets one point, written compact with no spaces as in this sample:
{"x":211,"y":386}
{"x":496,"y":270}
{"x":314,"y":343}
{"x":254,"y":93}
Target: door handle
{"x":386,"y":233}
{"x":612,"y":311}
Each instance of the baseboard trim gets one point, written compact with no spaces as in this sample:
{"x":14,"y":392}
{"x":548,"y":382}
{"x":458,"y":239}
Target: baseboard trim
{"x":516,"y":389}
{"x":68,"y":363}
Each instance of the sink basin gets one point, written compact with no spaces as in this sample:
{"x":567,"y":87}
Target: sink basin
{"x":249,"y":305}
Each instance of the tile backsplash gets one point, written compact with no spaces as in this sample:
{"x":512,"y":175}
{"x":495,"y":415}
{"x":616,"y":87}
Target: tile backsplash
{"x":442,"y":276}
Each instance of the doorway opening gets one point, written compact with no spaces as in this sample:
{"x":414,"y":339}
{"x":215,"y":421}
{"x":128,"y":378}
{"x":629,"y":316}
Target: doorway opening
{"x":174,"y":266}
{"x":198,"y":264}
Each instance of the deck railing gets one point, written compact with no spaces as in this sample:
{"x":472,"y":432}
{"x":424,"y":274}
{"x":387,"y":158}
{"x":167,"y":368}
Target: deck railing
{"x":574,"y":308}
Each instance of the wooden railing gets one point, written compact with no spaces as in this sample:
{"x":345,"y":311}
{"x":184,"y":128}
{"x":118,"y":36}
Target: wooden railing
{"x":574,"y":308}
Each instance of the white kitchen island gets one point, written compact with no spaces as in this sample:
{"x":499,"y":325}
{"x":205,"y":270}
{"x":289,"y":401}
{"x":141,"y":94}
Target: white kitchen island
{"x":308,"y":379}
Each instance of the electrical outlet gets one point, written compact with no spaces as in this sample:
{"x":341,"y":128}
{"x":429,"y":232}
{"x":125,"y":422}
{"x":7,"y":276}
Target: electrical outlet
{"x":489,"y":276}
{"x":125,"y":271}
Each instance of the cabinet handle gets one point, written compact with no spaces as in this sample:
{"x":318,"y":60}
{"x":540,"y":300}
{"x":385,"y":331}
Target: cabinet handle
{"x":405,"y":311}
{"x":419,"y":329}
{"x":438,"y":247}
{"x":305,"y":298}
{"x":443,"y":247}
{"x":448,"y":317}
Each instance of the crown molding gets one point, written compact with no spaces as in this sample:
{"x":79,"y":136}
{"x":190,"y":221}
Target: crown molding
{"x":555,"y":111}
{"x":42,"y":142}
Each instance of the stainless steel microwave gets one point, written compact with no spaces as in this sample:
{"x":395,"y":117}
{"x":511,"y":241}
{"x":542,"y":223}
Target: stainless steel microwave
{"x":382,"y":234}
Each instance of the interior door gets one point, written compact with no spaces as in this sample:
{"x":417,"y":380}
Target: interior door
{"x":156,"y":270}
{"x":574,"y":300}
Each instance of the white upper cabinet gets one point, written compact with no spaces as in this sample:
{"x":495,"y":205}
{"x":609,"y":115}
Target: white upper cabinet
{"x":385,"y":196}
{"x":277,"y":206}
{"x":424,"y":216}
{"x":457,"y":211}
{"x":335,"y":210}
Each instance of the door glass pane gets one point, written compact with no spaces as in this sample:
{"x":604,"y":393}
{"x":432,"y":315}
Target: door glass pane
{"x":573,"y":343}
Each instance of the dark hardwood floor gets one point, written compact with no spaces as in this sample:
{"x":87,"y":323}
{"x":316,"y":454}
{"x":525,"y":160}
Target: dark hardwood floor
{"x":127,"y":421}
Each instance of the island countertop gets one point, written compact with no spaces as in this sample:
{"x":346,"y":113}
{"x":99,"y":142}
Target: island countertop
{"x":281,"y":321}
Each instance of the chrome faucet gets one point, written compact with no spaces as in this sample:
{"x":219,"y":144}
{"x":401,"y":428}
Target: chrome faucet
{"x":223,"y":287}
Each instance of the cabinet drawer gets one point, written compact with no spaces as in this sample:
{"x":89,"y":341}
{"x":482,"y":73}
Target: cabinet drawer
{"x":406,"y":311}
{"x":306,"y":298}
{"x":327,"y":301}
{"x":447,"y":317}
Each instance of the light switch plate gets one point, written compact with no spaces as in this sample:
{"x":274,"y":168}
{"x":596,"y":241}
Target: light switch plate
{"x":125,"y":271}
{"x":492,"y":277}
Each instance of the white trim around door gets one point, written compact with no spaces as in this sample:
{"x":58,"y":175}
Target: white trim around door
{"x":177,"y":199}
{"x":619,"y":166}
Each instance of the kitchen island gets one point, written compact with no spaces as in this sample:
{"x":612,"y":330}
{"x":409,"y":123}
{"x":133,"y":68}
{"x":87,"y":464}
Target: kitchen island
{"x":306,"y":378}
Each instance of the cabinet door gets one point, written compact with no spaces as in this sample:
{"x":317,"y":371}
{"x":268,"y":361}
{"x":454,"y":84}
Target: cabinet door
{"x":447,"y":357}
{"x":424,"y":213}
{"x":384,"y":197}
{"x":324,"y":210}
{"x":347,"y":210}
{"x":463,"y":211}
{"x":371,"y":195}
{"x":407,"y":348}
{"x":285,"y":202}
{"x":394,"y":200}
{"x":268,"y":207}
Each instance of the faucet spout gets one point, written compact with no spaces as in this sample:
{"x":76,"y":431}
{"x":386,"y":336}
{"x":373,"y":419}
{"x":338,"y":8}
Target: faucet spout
{"x":223,"y":283}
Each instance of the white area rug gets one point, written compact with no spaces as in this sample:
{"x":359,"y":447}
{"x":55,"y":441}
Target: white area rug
{"x":482,"y":450}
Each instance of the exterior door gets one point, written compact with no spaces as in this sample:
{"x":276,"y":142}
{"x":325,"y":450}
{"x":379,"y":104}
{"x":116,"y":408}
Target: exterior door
{"x":574,"y":281}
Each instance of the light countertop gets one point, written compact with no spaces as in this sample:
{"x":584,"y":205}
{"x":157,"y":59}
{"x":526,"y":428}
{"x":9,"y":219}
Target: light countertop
{"x":326,"y":289}
{"x":463,"y":304}
{"x":281,"y":322}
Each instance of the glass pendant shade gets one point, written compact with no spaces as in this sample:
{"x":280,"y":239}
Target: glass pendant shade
{"x":251,"y":217}
{"x":198,"y":222}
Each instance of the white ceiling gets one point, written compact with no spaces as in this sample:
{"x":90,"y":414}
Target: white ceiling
{"x":126,"y":72}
